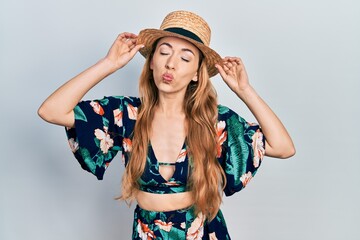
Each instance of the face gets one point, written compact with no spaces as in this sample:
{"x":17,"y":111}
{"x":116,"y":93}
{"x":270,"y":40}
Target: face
{"x":175,"y":64}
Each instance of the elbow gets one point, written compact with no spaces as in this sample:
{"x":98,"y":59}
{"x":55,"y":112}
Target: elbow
{"x":52,"y":115}
{"x":288,"y":153}
{"x":46,"y":113}
{"x":282,"y":152}
{"x":42,"y":113}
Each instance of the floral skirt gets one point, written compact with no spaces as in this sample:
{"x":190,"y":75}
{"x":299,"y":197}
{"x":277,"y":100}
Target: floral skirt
{"x":177,"y":224}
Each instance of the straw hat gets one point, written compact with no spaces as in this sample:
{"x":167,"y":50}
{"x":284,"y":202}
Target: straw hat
{"x":186,"y":25}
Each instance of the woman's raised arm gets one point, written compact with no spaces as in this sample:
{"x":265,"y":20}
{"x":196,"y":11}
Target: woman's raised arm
{"x":58,"y":107}
{"x":278,"y":141}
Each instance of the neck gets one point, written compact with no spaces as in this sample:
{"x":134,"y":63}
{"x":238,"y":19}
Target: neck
{"x":171,"y":104}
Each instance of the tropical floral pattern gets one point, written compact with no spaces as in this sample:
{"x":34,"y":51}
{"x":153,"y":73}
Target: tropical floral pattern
{"x":222,"y":135}
{"x":144,"y":232}
{"x":104,"y":127}
{"x":258,"y":146}
{"x":245,"y":178}
{"x":106,"y":141}
{"x":196,"y":230}
{"x":177,"y":224}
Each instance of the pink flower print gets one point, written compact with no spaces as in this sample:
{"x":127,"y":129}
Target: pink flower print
{"x":183,"y":225}
{"x":105,"y":140}
{"x":132,"y":111}
{"x":163,"y":225}
{"x":258,"y":147}
{"x":196,"y":230}
{"x":144,"y":231}
{"x":221,"y":137}
{"x":118,"y":117}
{"x":97,"y":108}
{"x":212,"y":236}
{"x":182,"y":156}
{"x":245,"y":178}
{"x":172,"y":183}
{"x":73,"y":145}
{"x":127,"y":144}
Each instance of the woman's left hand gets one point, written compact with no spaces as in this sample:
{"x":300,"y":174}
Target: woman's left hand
{"x":234,"y":74}
{"x":278,"y":141}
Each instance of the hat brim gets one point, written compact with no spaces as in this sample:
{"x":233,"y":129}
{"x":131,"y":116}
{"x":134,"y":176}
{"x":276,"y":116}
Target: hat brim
{"x":147,"y":37}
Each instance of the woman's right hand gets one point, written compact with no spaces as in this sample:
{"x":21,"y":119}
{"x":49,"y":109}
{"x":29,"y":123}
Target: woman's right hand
{"x":58,"y":107}
{"x":123,"y":50}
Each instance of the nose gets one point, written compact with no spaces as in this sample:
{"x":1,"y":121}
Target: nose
{"x":170,"y":63}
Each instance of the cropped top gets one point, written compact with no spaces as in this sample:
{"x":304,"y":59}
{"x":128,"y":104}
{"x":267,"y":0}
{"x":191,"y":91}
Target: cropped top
{"x":152,"y":181}
{"x":104,"y":127}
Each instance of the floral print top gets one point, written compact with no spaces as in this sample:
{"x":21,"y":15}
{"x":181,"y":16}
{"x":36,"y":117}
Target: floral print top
{"x":104,"y":127}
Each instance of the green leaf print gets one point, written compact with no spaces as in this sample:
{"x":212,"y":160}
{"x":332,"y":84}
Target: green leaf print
{"x":87,"y":159}
{"x":119,"y":97}
{"x":79,"y":114}
{"x":220,"y":218}
{"x":176,"y":233}
{"x":222,"y":109}
{"x":97,"y":142}
{"x":178,"y":189}
{"x":104,"y":101}
{"x":239,"y":150}
{"x":151,"y":182}
{"x":116,"y":148}
{"x":100,"y":160}
{"x":105,"y":122}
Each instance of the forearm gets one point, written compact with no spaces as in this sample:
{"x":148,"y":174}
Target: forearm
{"x":58,"y":107}
{"x":278,"y":141}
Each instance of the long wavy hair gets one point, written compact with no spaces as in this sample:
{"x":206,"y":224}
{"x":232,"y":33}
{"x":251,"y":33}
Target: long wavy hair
{"x":206,"y":179}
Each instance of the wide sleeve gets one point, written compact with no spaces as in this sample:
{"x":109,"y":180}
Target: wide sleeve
{"x":102,"y":128}
{"x":241,"y":148}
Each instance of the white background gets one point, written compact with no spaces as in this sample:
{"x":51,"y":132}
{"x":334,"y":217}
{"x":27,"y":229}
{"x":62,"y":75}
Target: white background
{"x":303,"y":58}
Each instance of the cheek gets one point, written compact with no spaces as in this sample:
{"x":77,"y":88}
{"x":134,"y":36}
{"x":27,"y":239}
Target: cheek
{"x":193,"y":73}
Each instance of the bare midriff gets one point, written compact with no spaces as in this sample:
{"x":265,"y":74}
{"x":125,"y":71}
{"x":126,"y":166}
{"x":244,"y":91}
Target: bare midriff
{"x":163,"y":202}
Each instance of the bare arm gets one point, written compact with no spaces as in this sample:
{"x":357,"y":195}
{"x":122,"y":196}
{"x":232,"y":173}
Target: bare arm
{"x":278,"y":141}
{"x":58,"y":107}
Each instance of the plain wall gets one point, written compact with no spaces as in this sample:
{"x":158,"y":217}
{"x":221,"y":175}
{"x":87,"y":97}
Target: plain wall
{"x":302,"y":57}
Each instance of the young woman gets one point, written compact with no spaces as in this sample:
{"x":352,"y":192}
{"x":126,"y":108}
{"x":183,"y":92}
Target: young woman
{"x":181,"y":149}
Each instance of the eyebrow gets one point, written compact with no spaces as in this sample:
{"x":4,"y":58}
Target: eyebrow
{"x":183,"y":49}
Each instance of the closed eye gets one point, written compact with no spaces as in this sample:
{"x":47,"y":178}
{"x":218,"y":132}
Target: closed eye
{"x":186,"y":60}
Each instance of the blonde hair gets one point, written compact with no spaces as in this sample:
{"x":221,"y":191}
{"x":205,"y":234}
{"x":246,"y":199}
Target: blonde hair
{"x":207,"y":179}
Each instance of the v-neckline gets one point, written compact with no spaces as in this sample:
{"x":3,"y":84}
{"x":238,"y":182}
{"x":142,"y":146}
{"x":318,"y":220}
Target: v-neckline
{"x":157,"y":161}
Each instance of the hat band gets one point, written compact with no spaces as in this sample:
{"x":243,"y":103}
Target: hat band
{"x":185,"y":33}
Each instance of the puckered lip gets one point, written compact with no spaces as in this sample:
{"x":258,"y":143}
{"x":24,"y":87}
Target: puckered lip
{"x":167,"y":77}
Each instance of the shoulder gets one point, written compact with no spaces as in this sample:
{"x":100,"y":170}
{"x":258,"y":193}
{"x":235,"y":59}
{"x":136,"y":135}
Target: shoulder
{"x":119,"y":101}
{"x":225,"y":112}
{"x":134,"y":101}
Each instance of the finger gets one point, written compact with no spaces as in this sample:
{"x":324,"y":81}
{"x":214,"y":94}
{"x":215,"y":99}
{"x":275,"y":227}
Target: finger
{"x":121,"y":36}
{"x":226,"y":59}
{"x":229,"y":64}
{"x":133,"y":40}
{"x":226,"y":68}
{"x":127,"y":35}
{"x":233,"y":60}
{"x":131,"y":43}
{"x":221,"y":70}
{"x":237,"y":61}
{"x":130,"y":35}
{"x":136,"y":49}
